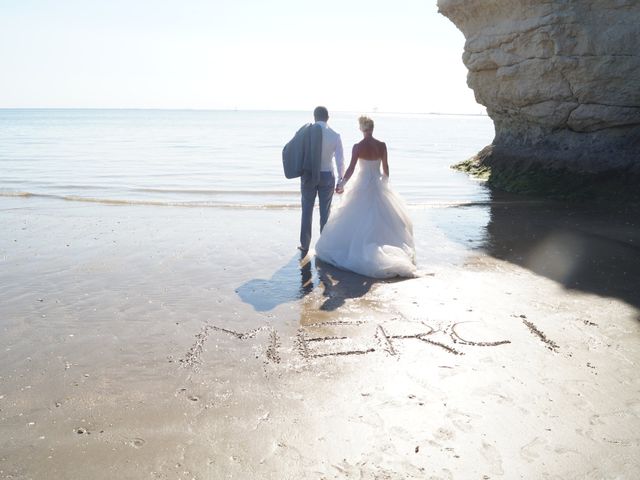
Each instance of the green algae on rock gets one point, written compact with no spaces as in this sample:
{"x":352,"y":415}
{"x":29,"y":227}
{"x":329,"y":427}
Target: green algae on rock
{"x":531,"y":178}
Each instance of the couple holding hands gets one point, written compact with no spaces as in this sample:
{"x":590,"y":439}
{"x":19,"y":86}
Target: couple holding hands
{"x":369,"y":232}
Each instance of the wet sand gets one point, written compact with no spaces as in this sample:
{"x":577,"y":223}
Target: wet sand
{"x":148,"y":342}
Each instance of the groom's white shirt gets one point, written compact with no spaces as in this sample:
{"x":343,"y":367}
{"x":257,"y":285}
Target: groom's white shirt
{"x":331,"y":147}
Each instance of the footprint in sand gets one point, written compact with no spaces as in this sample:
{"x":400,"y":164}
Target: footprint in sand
{"x":531,"y":451}
{"x":443,"y":435}
{"x":492,"y":455}
{"x":617,"y":427}
{"x":135,"y":442}
{"x":570,"y":456}
{"x":364,"y":470}
{"x":460,"y":420}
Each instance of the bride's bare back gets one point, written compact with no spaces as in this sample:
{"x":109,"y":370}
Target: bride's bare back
{"x":370,"y":149}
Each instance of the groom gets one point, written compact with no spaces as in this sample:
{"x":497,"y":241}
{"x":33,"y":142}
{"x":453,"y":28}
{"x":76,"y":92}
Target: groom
{"x":318,"y":177}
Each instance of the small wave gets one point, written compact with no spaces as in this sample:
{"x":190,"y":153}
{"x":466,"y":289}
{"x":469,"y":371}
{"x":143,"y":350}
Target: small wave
{"x":16,"y":194}
{"x":156,"y":203}
{"x":452,"y":204}
{"x":236,"y":205}
{"x":190,"y":191}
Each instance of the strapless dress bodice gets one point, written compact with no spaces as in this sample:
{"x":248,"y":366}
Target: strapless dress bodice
{"x":369,"y":167}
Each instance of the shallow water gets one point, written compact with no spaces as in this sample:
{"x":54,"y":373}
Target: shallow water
{"x":217,"y":158}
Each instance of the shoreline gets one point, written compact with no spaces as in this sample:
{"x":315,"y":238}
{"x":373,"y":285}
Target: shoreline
{"x":193,"y":343}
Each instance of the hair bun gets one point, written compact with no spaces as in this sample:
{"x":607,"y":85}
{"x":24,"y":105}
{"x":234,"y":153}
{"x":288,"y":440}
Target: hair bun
{"x":366,"y":124}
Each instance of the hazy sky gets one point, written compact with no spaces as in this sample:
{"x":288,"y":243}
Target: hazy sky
{"x":351,"y":55}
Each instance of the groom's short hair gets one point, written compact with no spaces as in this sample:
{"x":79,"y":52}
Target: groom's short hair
{"x":321,"y":114}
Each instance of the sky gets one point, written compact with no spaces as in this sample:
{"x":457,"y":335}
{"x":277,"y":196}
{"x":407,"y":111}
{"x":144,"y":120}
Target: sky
{"x":350,"y":55}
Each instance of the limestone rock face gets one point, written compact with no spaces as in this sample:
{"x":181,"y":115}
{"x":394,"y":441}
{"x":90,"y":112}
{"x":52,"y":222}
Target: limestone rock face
{"x":559,"y":78}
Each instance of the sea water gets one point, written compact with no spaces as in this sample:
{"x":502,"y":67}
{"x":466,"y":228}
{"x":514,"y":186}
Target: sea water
{"x":218,"y":158}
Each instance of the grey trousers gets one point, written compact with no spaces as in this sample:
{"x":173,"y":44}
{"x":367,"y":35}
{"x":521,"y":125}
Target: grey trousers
{"x":308,"y":192}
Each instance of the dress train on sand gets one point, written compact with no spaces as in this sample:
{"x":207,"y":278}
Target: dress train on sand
{"x":370,"y":232}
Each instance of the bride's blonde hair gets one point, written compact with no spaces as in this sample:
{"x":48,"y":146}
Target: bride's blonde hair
{"x":366,"y":124}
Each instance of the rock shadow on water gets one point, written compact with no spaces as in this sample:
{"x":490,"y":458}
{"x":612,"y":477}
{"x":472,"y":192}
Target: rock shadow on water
{"x":299,"y":278}
{"x":593,"y":248}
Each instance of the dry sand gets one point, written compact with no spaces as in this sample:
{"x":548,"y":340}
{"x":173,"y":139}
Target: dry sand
{"x":191,"y":343}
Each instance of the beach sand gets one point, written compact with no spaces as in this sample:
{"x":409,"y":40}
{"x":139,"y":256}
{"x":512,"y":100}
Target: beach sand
{"x":191,"y":343}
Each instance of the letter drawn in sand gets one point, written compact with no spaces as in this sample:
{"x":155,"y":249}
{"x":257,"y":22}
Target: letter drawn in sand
{"x":192,"y":359}
{"x":344,"y":338}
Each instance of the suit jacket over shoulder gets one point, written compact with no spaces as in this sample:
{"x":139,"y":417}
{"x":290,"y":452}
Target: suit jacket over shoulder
{"x":301,"y":156}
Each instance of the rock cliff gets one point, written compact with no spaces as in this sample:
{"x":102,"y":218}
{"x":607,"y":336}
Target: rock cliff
{"x":559,"y":78}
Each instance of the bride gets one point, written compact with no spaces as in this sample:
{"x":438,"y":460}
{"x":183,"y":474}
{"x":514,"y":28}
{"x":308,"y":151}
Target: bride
{"x":370,"y":232}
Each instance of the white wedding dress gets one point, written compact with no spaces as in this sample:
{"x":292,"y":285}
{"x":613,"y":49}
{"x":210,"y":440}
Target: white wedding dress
{"x":370,"y":232}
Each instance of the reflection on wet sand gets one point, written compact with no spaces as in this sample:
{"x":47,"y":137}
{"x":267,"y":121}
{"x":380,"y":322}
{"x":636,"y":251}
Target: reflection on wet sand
{"x":289,"y":283}
{"x":283,"y":287}
{"x":339,"y":285}
{"x":592,"y":248}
